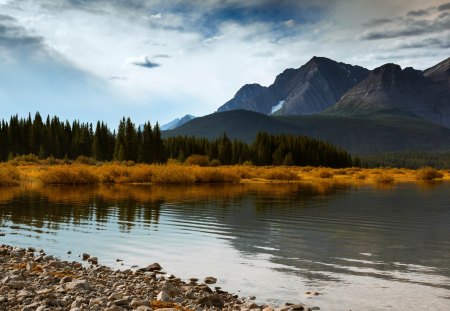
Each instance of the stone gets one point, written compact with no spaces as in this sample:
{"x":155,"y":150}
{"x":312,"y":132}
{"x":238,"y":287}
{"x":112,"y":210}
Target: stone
{"x":143,"y":308}
{"x":85,"y":256}
{"x":297,"y":307}
{"x":213,"y":300}
{"x":171,"y":289}
{"x":115,"y":308}
{"x":136,"y":303}
{"x":17,"y":284}
{"x":40,"y":308}
{"x":24,"y":293}
{"x":210,"y":280}
{"x":154,"y":267}
{"x":78,"y":284}
{"x":163,"y":296}
{"x":190,"y":294}
{"x":30,"y":265}
{"x":93,"y":260}
{"x":268,"y":309}
{"x":95,"y":301}
{"x":66,"y":279}
{"x":121,"y":302}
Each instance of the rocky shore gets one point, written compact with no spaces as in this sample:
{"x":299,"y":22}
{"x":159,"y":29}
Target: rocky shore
{"x":34,"y":281}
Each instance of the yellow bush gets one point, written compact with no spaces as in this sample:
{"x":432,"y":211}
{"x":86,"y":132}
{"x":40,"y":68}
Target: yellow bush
{"x":9,"y":176}
{"x":384,"y":179}
{"x":282,"y":174}
{"x":325,"y":173}
{"x":428,"y":173}
{"x":197,"y":159}
{"x":172,"y":174}
{"x":69,"y":175}
{"x":215,"y":175}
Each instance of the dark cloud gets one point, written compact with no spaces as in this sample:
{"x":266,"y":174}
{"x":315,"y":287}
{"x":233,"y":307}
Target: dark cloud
{"x":161,"y":56}
{"x":142,"y":61}
{"x":444,"y":7}
{"x":13,"y":36}
{"x":428,"y":43}
{"x":411,"y":27}
{"x":417,"y":13}
{"x":379,"y":21}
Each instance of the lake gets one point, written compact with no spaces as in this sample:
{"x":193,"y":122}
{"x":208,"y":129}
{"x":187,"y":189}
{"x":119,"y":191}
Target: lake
{"x":361,"y":248}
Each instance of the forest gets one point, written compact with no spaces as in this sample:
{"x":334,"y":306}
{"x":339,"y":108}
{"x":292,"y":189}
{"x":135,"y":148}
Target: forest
{"x":143,"y":144}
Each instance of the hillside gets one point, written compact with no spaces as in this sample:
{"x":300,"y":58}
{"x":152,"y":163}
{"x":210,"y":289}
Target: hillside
{"x":358,"y":135}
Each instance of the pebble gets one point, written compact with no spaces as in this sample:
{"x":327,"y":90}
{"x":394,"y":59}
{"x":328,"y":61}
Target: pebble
{"x":210,"y":280}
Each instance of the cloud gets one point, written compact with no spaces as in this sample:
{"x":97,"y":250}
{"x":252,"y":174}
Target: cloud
{"x":417,"y":13}
{"x":427,"y":43}
{"x":410,"y":27}
{"x":161,"y":56}
{"x":14,"y":36}
{"x":142,"y":61}
{"x":289,"y":23}
{"x":444,"y":7}
{"x":156,"y":16}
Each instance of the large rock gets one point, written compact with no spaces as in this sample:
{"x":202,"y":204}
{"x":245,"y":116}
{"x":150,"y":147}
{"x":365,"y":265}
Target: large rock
{"x":213,"y":300}
{"x":163,"y":296}
{"x":78,"y":285}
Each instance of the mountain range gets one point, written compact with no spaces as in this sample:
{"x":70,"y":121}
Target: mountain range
{"x":365,"y":111}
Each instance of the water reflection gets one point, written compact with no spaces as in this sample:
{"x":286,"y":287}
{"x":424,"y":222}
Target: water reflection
{"x":359,"y":247}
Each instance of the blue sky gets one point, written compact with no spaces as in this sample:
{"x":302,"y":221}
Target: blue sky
{"x":161,"y":59}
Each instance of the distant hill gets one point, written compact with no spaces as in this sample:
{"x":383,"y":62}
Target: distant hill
{"x":389,"y":89}
{"x":359,"y":135}
{"x":177,"y":122}
{"x":307,"y":90}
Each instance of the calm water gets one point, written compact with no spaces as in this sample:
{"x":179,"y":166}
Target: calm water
{"x":361,"y":248}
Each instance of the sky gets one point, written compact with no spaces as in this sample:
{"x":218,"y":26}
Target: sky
{"x":156,"y":60}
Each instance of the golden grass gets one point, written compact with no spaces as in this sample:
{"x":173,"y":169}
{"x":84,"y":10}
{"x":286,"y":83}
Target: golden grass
{"x":31,"y":173}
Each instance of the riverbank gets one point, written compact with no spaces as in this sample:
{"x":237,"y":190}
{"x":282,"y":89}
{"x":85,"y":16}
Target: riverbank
{"x":13,"y":174}
{"x":34,"y":281}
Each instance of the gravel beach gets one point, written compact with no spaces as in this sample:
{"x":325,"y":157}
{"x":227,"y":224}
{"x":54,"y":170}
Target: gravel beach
{"x":31,"y":280}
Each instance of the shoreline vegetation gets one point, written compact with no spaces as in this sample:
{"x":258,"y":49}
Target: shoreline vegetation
{"x":33,"y":280}
{"x":30,"y":171}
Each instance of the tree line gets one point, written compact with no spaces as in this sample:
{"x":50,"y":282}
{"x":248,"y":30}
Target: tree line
{"x":144,"y":144}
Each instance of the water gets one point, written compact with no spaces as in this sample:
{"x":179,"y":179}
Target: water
{"x":361,"y":248}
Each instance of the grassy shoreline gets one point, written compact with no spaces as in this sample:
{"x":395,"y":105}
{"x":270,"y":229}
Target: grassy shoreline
{"x":13,"y":174}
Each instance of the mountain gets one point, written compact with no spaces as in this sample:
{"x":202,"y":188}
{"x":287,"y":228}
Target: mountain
{"x":177,"y":122}
{"x":389,"y":89}
{"x":359,"y":135}
{"x":307,"y":90}
{"x":440,"y":72}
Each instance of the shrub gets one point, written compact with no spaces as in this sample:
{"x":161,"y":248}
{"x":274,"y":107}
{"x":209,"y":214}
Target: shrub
{"x":215,"y":175}
{"x":428,"y":173}
{"x":384,"y":179}
{"x":197,"y":159}
{"x":69,"y":175}
{"x":25,"y":159}
{"x":9,"y":176}
{"x":324,"y":173}
{"x":85,"y":160}
{"x":215,"y":163}
{"x":172,"y":174}
{"x":282,"y":174}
